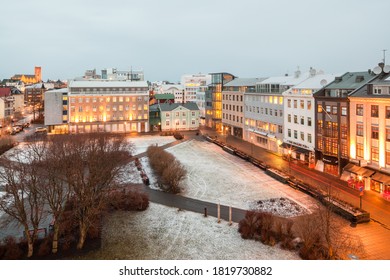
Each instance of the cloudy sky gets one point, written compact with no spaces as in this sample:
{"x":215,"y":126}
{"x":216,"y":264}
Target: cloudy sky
{"x":168,"y":38}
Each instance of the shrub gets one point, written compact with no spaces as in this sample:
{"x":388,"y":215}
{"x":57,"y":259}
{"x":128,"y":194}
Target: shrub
{"x":12,"y":249}
{"x":44,"y":248}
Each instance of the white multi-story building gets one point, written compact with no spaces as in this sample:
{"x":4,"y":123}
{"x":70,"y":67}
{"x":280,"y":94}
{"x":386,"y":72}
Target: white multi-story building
{"x":233,"y":104}
{"x":176,"y":116}
{"x":192,"y":83}
{"x":110,"y":106}
{"x":299,"y":117}
{"x":263,"y":111}
{"x":176,"y":89}
{"x":114,"y":74}
{"x":56,"y":110}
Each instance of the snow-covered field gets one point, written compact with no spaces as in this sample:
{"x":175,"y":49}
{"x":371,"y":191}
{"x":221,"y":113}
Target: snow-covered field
{"x":216,"y":176}
{"x":141,"y":143}
{"x":164,"y":233}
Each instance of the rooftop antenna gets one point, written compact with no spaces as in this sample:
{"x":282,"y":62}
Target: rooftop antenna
{"x":384,"y":56}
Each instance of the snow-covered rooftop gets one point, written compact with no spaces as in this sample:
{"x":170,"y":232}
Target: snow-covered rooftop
{"x":316,"y":82}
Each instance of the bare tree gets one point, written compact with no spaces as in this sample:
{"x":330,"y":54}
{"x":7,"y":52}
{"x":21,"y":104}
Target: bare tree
{"x":89,"y":164}
{"x":22,"y":200}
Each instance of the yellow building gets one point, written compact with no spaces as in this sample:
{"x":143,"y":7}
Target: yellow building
{"x":369,"y":130}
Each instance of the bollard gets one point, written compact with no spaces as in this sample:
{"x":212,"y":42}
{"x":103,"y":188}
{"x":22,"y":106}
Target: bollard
{"x":205,"y":212}
{"x":219,"y":213}
{"x":230,"y":215}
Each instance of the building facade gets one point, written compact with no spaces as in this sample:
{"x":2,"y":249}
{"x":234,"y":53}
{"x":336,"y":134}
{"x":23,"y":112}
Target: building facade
{"x":109,"y":106}
{"x":56,"y":111}
{"x":299,"y":115}
{"x":213,"y":99}
{"x":332,"y":121}
{"x":184,"y":116}
{"x":114,"y":74}
{"x":370,"y":133}
{"x":192,"y":83}
{"x":263,"y":110}
{"x":233,"y":104}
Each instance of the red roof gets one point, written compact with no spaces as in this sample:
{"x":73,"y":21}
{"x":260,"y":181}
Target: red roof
{"x":5,"y":91}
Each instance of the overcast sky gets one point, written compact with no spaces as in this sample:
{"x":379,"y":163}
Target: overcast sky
{"x":168,"y":38}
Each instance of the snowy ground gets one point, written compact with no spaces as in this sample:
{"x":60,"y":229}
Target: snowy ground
{"x":216,"y":176}
{"x":141,"y":143}
{"x":164,"y":233}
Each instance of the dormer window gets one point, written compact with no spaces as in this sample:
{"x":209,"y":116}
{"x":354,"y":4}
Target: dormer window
{"x":377,"y":91}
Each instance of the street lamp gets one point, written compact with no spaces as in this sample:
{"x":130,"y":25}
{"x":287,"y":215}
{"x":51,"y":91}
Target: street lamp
{"x":251,"y":146}
{"x":361,"y":189}
{"x":289,"y":161}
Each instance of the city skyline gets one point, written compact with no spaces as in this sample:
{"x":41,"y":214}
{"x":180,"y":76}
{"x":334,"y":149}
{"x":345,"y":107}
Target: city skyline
{"x":171,"y":38}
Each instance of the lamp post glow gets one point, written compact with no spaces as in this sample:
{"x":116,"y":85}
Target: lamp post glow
{"x":361,"y":189}
{"x":289,"y":161}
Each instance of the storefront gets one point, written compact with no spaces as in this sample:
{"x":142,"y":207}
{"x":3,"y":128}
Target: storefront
{"x":331,"y":165}
{"x":380,"y":182}
{"x":298,"y":153}
{"x":357,"y":176}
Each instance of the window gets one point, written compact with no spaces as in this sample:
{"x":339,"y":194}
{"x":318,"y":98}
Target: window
{"x":388,"y":157}
{"x":309,"y":137}
{"x":184,"y":122}
{"x":295,"y":103}
{"x":374,"y":111}
{"x":328,"y":108}
{"x":302,"y":120}
{"x":295,"y":119}
{"x":183,"y":114}
{"x":288,"y":103}
{"x":374,"y":154}
{"x":295,"y":134}
{"x":280,"y":129}
{"x":319,"y":143}
{"x":343,"y":110}
{"x":374,"y":132}
{"x":387,"y":112}
{"x":309,"y":121}
{"x":319,"y":109}
{"x":359,"y":129}
{"x":308,"y":105}
{"x":177,"y":114}
{"x":302,"y":104}
{"x":167,"y":123}
{"x":193,"y":113}
{"x":359,"y":109}
{"x":334,"y":110}
{"x":344,"y":131}
{"x":302,"y":136}
{"x":388,"y":134}
{"x":167,"y":115}
{"x":319,"y":126}
{"x":359,"y":150}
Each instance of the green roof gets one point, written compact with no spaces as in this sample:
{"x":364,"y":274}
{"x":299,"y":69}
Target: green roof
{"x":164,"y":96}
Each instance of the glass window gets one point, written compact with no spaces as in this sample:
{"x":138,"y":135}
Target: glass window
{"x":387,"y":112}
{"x":334,"y":110}
{"x":309,"y":137}
{"x":302,"y":120}
{"x":343,"y":110}
{"x":289,"y":132}
{"x":374,"y":111}
{"x":295,"y":134}
{"x":374,"y":132}
{"x":359,"y":109}
{"x":374,"y":154}
{"x":319,"y":108}
{"x":308,"y":105}
{"x":309,"y":121}
{"x":388,"y":134}
{"x":289,"y":118}
{"x":359,"y":150}
{"x":288,"y":103}
{"x":302,"y":136}
{"x":295,"y":103}
{"x":302,"y":104}
{"x":359,"y":129}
